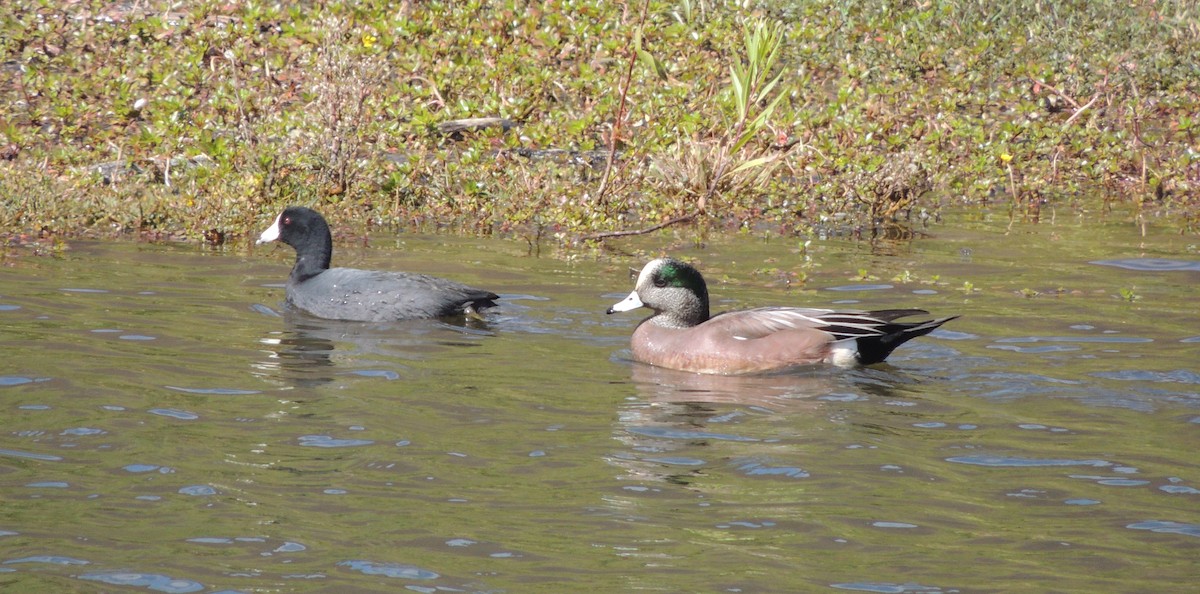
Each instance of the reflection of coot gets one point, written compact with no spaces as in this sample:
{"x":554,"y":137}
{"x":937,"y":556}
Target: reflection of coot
{"x":298,"y":357}
{"x":310,"y":351}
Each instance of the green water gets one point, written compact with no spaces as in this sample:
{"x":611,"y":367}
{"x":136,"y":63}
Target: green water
{"x":165,"y":430}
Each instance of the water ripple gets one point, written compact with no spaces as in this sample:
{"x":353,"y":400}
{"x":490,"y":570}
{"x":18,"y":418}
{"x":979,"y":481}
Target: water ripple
{"x":1150,"y":264}
{"x":1049,"y":348}
{"x":214,"y":391}
{"x":152,"y":581}
{"x":290,"y":547}
{"x":51,"y":559}
{"x":1178,"y":376}
{"x":893,"y":525}
{"x":1110,"y":338}
{"x":30,"y":455}
{"x":264,"y":310}
{"x":325,"y":441}
{"x":1179,"y":489}
{"x":889,"y":588}
{"x":83,"y":431}
{"x":16,"y":380}
{"x":755,"y":468}
{"x":1167,"y":527}
{"x":677,"y":461}
{"x":384,"y":373}
{"x":1111,"y":481}
{"x":198,"y":490}
{"x":746,"y":524}
{"x":1008,"y":377}
{"x":140,"y":468}
{"x":1012,"y":461}
{"x":395,"y":570}
{"x":1175,"y":487}
{"x":182,"y":415}
{"x":670,"y":433}
{"x":860,"y":288}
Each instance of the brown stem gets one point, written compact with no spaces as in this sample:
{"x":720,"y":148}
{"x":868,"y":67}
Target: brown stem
{"x":612,"y":140}
{"x":1080,"y":110}
{"x":630,"y":232}
{"x":1066,"y":97}
{"x":441,"y":103}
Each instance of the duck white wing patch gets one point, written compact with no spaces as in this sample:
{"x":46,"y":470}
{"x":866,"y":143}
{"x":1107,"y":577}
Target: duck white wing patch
{"x":778,"y":319}
{"x":844,"y":325}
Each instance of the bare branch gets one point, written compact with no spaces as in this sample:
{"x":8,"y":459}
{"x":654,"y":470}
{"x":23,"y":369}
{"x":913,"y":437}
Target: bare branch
{"x":651,"y":229}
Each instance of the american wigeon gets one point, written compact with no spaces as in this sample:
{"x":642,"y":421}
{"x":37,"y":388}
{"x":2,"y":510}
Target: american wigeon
{"x":681,"y":335}
{"x":361,"y":295}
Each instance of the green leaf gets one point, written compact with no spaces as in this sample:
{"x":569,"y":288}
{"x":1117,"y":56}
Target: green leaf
{"x":752,"y":163}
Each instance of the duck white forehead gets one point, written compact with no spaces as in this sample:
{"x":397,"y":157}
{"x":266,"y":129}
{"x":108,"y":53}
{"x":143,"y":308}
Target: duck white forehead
{"x":648,"y":271}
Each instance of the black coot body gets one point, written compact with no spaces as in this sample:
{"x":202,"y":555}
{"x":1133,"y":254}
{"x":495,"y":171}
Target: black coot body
{"x":362,"y":295}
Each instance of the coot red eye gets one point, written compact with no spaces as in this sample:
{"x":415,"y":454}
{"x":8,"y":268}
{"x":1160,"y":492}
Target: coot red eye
{"x":287,"y":220}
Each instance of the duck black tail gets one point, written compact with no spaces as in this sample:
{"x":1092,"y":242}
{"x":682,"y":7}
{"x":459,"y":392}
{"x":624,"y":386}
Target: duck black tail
{"x":874,"y":349}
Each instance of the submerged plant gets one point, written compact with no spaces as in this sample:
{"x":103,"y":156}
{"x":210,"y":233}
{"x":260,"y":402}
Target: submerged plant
{"x":1129,"y":294}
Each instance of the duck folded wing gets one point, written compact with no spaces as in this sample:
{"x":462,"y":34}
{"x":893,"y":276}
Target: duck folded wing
{"x":749,"y":324}
{"x":864,"y":324}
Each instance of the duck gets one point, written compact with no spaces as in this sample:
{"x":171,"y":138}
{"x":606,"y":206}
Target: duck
{"x":681,"y":334}
{"x":362,"y":295}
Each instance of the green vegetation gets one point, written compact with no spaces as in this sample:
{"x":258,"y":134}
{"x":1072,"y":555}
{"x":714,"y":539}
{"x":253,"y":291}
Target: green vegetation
{"x":201,"y":119}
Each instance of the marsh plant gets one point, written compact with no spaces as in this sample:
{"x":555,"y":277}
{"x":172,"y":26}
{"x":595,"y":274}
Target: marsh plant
{"x":735,"y":158}
{"x":196,"y":120}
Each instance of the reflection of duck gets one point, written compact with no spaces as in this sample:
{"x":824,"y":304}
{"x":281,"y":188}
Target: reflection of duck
{"x":671,"y":430}
{"x":310,"y":351}
{"x":681,"y":422}
{"x":780,"y":393}
{"x":681,"y":334}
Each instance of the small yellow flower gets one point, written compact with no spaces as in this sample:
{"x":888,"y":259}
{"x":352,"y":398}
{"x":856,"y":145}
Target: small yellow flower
{"x":1005,"y":157}
{"x":369,"y":40}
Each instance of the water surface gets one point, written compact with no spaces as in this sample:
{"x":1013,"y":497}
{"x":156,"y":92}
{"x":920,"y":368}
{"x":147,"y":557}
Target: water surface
{"x":167,"y":428}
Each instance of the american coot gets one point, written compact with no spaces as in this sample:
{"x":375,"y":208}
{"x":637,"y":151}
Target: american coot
{"x":681,"y":335}
{"x":361,"y":295}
